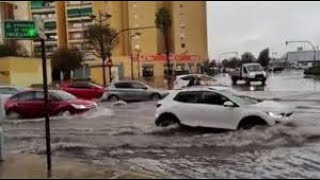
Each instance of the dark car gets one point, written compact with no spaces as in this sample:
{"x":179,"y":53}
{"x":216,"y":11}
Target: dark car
{"x":84,"y":90}
{"x":30,"y":104}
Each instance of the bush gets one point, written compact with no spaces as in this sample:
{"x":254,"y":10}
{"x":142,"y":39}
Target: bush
{"x":315,"y":70}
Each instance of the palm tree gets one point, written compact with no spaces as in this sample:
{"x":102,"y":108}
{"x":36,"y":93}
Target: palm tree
{"x":163,"y":23}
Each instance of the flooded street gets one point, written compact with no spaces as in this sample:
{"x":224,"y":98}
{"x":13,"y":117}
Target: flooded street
{"x":125,"y":135}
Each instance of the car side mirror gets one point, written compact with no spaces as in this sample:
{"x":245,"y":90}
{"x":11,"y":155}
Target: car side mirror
{"x":229,"y":104}
{"x":145,"y":88}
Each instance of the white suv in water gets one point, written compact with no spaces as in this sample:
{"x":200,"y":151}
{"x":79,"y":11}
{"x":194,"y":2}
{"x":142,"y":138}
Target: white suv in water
{"x":218,"y":107}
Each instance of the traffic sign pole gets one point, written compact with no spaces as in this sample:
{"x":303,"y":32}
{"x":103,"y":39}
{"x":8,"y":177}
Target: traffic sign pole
{"x":46,"y":101}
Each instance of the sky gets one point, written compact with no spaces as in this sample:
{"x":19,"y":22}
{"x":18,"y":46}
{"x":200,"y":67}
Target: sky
{"x":253,"y":26}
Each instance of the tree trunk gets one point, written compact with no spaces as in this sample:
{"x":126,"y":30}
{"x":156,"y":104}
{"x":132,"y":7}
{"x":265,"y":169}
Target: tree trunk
{"x":167,"y":49}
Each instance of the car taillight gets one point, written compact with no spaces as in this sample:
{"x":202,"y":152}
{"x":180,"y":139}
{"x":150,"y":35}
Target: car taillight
{"x":159,"y":105}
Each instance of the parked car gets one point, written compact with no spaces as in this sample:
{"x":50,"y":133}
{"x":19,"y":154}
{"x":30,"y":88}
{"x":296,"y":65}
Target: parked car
{"x":193,"y":80}
{"x":84,"y":90}
{"x":249,"y":72}
{"x":8,"y":91}
{"x":218,"y":108}
{"x":132,"y":91}
{"x":30,"y":104}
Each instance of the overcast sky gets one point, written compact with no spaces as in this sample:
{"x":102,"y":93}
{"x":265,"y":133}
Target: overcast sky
{"x":253,"y":26}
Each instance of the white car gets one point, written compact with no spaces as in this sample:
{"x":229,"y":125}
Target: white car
{"x":218,"y":107}
{"x":183,"y":81}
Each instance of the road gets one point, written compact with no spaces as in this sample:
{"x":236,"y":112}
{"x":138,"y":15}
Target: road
{"x":125,"y":134}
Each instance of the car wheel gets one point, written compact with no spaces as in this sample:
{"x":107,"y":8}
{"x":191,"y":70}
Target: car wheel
{"x":234,"y":81}
{"x":113,"y":98}
{"x":263,"y":82}
{"x":155,"y":97}
{"x":64,"y":113}
{"x":167,"y":120}
{"x":13,"y":115}
{"x":250,"y":122}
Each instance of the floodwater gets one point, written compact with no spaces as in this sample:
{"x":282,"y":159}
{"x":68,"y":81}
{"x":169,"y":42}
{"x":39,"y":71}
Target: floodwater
{"x":125,"y":134}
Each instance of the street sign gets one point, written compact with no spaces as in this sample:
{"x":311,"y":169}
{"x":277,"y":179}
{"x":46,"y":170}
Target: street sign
{"x":19,"y":30}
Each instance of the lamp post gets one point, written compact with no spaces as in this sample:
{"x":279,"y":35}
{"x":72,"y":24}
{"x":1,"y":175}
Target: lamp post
{"x":307,"y":42}
{"x":102,"y":18}
{"x":137,"y":34}
{"x":138,"y":50}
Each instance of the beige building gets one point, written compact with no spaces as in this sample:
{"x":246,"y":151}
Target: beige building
{"x":67,"y":20}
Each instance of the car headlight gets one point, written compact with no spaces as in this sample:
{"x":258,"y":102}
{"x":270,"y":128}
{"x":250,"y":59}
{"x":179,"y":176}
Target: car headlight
{"x":251,"y":74}
{"x":76,"y":106}
{"x":274,"y":115}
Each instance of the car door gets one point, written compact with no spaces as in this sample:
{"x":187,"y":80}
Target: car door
{"x":186,"y":107}
{"x":139,"y":91}
{"x":123,"y":90}
{"x":29,"y":106}
{"x":213,"y":113}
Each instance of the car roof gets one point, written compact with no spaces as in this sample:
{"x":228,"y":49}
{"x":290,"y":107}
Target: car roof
{"x":201,"y":88}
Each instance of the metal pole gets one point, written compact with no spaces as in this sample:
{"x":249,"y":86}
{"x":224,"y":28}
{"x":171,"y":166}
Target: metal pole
{"x":46,"y":104}
{"x":139,"y":69}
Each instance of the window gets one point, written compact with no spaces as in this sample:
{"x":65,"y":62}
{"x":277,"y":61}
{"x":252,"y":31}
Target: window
{"x":39,"y":95}
{"x":26,"y":96}
{"x":147,"y":71}
{"x":122,"y":85}
{"x":213,"y":98}
{"x":8,"y":91}
{"x":79,"y":12}
{"x":189,"y":97}
{"x":137,"y":86}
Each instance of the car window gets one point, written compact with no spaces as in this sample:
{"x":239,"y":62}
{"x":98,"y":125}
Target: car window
{"x":122,"y":85}
{"x":187,"y":78}
{"x":137,"y":86}
{"x":8,"y":91}
{"x":213,"y":98}
{"x":245,"y":70}
{"x":188,"y":97}
{"x":26,"y":96}
{"x":39,"y":95}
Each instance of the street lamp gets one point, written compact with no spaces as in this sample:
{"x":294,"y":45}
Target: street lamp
{"x":109,"y":53}
{"x":136,"y":35}
{"x":137,"y":48}
{"x":308,"y":42}
{"x":102,"y":18}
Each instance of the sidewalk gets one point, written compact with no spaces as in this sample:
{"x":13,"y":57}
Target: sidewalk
{"x":27,"y":166}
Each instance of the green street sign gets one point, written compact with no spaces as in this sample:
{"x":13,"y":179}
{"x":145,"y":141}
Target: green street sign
{"x":19,"y":30}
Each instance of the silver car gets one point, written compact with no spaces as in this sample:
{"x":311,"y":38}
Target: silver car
{"x":132,"y":91}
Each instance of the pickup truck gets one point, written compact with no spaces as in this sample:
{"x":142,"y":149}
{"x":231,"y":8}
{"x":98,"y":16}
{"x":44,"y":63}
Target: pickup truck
{"x":249,"y":72}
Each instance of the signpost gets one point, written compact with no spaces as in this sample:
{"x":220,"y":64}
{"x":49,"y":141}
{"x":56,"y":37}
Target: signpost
{"x":32,"y":30}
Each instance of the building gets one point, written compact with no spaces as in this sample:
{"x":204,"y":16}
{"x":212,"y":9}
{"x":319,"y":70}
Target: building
{"x":6,"y":13}
{"x":66,"y":21}
{"x":302,"y":59}
{"x":53,"y":15}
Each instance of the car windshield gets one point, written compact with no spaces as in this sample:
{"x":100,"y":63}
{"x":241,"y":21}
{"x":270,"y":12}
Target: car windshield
{"x":241,"y":100}
{"x":64,"y":95}
{"x":254,"y":68}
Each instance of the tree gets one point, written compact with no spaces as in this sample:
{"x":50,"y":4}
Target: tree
{"x":163,"y":22}
{"x":247,"y":57}
{"x":231,"y":63}
{"x":66,"y":60}
{"x":264,"y":58}
{"x":102,"y":38}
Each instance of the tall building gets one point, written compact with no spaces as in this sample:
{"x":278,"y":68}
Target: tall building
{"x":6,"y":12}
{"x":66,"y":21}
{"x":54,"y":19}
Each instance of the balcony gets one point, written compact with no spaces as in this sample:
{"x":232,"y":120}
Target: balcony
{"x":48,"y":43}
{"x":76,"y":14}
{"x":79,"y":4}
{"x":78,"y":40}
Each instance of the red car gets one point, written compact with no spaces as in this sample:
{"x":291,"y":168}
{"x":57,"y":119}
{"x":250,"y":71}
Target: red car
{"x":30,"y":104}
{"x":84,"y":90}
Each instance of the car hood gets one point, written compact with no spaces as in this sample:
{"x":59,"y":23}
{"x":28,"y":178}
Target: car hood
{"x":271,"y":106}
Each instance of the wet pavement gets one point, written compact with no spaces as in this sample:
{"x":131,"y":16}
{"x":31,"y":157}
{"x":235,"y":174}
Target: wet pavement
{"x":125,"y":135}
